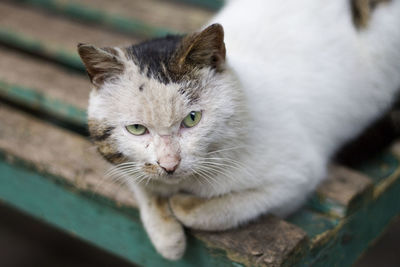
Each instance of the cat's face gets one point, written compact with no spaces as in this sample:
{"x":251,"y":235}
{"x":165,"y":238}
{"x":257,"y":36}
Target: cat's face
{"x":159,"y":108}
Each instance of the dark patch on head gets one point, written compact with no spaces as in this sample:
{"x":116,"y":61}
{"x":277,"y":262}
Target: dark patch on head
{"x":153,"y":56}
{"x":100,"y":133}
{"x":175,"y":57}
{"x":109,"y":152}
{"x":361,"y":11}
{"x":101,"y":136}
{"x":141,"y":87}
{"x":99,"y":130}
{"x":114,"y":158}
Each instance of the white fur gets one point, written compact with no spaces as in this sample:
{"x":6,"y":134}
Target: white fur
{"x":301,"y":81}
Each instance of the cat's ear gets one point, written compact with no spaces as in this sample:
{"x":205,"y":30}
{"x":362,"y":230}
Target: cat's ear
{"x":206,"y":48}
{"x":101,"y":63}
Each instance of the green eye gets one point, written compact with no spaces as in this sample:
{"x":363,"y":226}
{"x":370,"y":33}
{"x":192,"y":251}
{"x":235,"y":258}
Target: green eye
{"x":136,"y":129}
{"x":191,"y":119}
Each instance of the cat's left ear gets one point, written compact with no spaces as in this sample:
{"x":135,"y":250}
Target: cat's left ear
{"x":101,"y":63}
{"x":206,"y":48}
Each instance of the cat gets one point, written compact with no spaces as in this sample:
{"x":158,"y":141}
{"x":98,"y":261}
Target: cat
{"x":210,"y":136}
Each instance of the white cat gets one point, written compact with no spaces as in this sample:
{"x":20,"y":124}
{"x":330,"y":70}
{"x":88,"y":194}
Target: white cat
{"x":210,"y":143}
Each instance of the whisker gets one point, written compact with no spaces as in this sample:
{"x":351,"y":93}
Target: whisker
{"x":221,"y":170}
{"x":231,"y":165}
{"x":207,"y":178}
{"x":210,"y":174}
{"x":197,"y":175}
{"x":225,"y":149}
{"x":121,"y":166}
{"x":238,"y":164}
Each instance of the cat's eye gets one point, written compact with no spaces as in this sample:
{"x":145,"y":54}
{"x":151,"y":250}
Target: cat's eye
{"x":191,"y":119}
{"x":136,"y":129}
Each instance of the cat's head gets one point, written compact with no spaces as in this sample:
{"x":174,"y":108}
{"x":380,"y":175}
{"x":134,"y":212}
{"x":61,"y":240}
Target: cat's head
{"x":159,"y":108}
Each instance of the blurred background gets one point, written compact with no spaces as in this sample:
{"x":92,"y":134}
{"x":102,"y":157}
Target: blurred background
{"x":43,"y":97}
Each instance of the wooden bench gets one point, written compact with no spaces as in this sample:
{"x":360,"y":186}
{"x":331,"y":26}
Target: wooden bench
{"x":50,"y":170}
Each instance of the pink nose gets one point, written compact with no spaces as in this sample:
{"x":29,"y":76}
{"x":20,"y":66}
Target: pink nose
{"x":169,"y":164}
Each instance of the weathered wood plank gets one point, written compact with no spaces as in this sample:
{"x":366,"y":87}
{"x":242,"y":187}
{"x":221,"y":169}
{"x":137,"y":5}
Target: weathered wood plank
{"x":63,"y":154}
{"x":344,"y":190}
{"x":315,"y":224}
{"x":24,"y":29}
{"x":343,"y":243}
{"x":211,"y":4}
{"x":380,"y":166}
{"x":43,"y":86}
{"x":117,"y":230}
{"x":147,"y":18}
{"x":269,"y":241}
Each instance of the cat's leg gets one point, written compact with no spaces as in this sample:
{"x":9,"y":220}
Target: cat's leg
{"x":165,"y":232}
{"x":230,"y":210}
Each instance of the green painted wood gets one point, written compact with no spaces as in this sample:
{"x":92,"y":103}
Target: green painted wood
{"x":343,"y":242}
{"x":89,"y":218}
{"x":37,"y":47}
{"x":99,"y":17}
{"x":40,"y":102}
{"x":326,"y":206}
{"x":380,"y":166}
{"x":313,"y":223}
{"x":211,"y":4}
{"x":355,"y":233}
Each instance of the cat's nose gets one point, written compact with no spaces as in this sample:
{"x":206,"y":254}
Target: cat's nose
{"x":170,"y":164}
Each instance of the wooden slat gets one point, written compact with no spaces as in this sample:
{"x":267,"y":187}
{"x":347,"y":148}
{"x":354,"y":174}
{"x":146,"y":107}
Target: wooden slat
{"x":344,"y":190}
{"x":210,"y":4}
{"x":48,"y":79}
{"x":315,"y":224}
{"x":52,"y":36}
{"x":144,"y":17}
{"x":394,"y":177}
{"x":63,"y":154}
{"x":342,"y":244}
{"x":158,"y":13}
{"x":381,"y":165}
{"x":267,"y":242}
{"x":43,"y":86}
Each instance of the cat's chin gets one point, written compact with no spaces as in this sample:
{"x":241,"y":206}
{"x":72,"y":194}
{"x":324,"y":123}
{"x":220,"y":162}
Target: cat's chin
{"x":170,"y":179}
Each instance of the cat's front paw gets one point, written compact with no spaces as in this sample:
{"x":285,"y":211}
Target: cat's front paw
{"x":171,"y":245}
{"x":165,"y":232}
{"x":191,"y":211}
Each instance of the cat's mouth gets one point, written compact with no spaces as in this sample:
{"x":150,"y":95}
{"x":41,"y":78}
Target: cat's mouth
{"x":157,"y":173}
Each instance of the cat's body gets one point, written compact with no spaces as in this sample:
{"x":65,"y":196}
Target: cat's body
{"x":300,"y":80}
